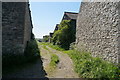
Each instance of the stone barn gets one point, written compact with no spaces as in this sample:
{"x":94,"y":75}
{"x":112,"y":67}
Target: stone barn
{"x":68,"y":33}
{"x":98,"y":29}
{"x":72,"y":16}
{"x":69,"y":16}
{"x":16,"y":27}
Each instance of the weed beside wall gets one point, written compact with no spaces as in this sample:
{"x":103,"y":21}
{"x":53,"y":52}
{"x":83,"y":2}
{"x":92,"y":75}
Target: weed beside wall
{"x":32,"y":50}
{"x":11,"y":61}
{"x":87,"y":66}
{"x":92,"y":67}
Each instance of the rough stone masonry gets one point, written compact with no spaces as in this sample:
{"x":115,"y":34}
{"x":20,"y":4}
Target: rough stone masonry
{"x":16,"y":27}
{"x":98,"y":29}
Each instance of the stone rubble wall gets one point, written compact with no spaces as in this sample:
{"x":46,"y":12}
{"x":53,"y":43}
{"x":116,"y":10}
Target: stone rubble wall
{"x":16,"y":27}
{"x":27,"y":26}
{"x":0,"y":39}
{"x":98,"y":29}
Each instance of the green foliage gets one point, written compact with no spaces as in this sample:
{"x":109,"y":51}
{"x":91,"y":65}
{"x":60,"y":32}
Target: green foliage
{"x":57,"y":47}
{"x":65,"y":35}
{"x":32,"y":50}
{"x":12,"y":61}
{"x":72,"y":46}
{"x":46,"y":38}
{"x":43,"y":43}
{"x":56,"y":37}
{"x":45,"y":47}
{"x":89,"y":67}
{"x":54,"y":60}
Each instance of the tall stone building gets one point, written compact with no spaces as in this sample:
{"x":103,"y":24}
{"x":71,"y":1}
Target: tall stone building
{"x":98,"y":29}
{"x":67,"y":30}
{"x":72,"y":16}
{"x":16,"y":27}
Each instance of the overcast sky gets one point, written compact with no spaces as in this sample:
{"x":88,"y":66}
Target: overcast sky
{"x":45,"y":15}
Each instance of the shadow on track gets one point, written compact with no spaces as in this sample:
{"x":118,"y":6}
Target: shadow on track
{"x":31,"y":68}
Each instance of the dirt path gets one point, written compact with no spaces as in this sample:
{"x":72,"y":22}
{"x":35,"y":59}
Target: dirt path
{"x":45,"y":55}
{"x":64,"y":68}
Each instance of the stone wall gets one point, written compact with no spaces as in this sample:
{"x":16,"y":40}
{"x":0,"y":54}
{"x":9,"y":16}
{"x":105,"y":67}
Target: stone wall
{"x":98,"y":29}
{"x":16,"y":27}
{"x":0,"y":39}
{"x":28,"y":26}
